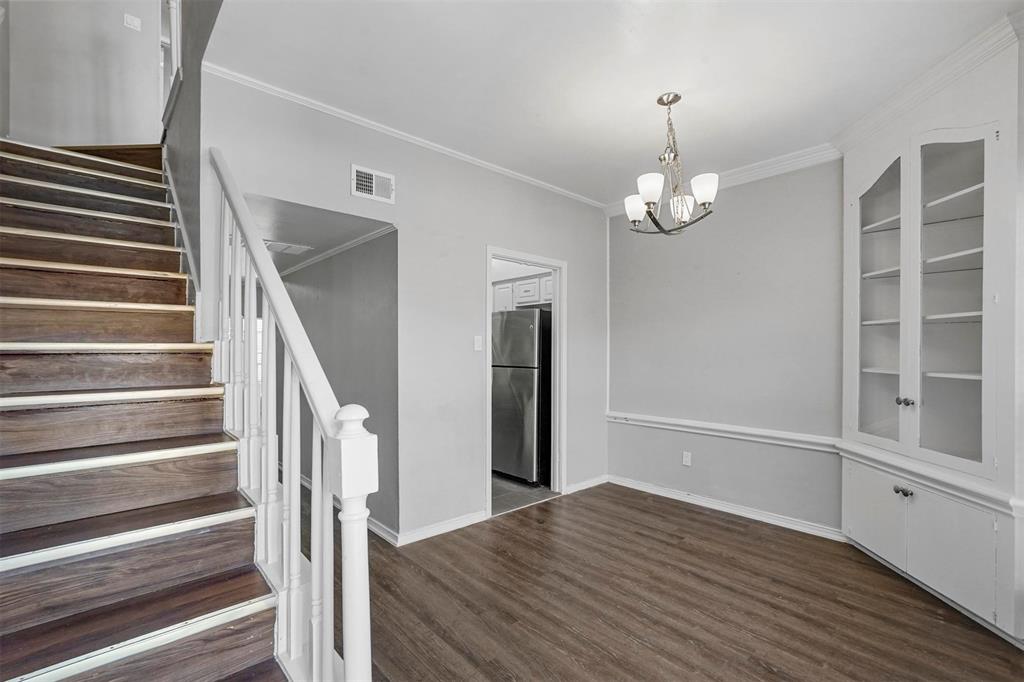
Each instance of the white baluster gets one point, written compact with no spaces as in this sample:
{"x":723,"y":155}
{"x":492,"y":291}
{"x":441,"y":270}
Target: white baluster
{"x":326,"y":512}
{"x":294,"y":549}
{"x":220,"y":371}
{"x":237,"y":335}
{"x":286,"y":508}
{"x":269,"y":495}
{"x":353,"y":477}
{"x":252,"y":386}
{"x":316,"y":548}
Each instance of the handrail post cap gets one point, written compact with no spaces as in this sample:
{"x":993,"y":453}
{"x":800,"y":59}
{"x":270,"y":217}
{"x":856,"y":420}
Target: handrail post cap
{"x":351,"y":417}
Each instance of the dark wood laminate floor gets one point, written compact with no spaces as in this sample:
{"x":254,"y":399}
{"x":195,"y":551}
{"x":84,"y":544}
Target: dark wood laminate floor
{"x":615,"y":584}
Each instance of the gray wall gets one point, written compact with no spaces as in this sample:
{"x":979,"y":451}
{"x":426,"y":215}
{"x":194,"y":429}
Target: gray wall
{"x":5,"y":67}
{"x":349,"y":307}
{"x":737,"y":322}
{"x":447,"y":212}
{"x":80,"y":77}
{"x":184,"y":126}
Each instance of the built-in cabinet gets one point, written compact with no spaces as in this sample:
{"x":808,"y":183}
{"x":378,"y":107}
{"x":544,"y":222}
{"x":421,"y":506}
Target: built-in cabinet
{"x":524,"y":291}
{"x":931,"y":449}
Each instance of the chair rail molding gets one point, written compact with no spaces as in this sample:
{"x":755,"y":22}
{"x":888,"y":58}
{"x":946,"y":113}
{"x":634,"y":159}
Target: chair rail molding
{"x":789,"y":439}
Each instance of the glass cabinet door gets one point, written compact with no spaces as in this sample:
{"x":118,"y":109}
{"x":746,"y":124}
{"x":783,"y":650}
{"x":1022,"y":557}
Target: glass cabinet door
{"x":952,"y":225}
{"x":880,"y":236}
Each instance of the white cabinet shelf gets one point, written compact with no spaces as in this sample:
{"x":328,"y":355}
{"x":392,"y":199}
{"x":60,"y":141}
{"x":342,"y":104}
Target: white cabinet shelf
{"x":951,"y":318}
{"x":878,"y":323}
{"x":882,"y":274}
{"x":968,"y":259}
{"x":880,"y":370}
{"x":967,"y":376}
{"x":962,"y":204}
{"x":884,"y":225}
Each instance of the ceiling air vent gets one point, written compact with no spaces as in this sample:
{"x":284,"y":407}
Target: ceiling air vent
{"x":285,"y":247}
{"x":373,"y":184}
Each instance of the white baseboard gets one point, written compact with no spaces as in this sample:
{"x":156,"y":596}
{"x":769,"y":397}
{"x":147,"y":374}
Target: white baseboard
{"x":730,"y":508}
{"x":382,"y":531}
{"x":583,"y":485}
{"x":424,"y":532}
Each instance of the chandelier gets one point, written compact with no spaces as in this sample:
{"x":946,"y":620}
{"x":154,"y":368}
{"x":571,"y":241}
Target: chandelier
{"x":686,"y":209}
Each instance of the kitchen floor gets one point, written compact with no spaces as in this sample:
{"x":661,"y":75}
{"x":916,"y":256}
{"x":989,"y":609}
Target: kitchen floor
{"x":508,"y":494}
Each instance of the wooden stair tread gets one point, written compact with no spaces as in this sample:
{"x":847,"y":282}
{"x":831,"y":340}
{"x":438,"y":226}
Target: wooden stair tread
{"x":106,"y":396}
{"x":78,"y":268}
{"x":93,"y":451}
{"x":45,"y":645}
{"x":81,"y":191}
{"x":88,"y":212}
{"x":79,"y":159}
{"x":104,"y":241}
{"x":71,"y":347}
{"x":266,"y":671}
{"x":81,"y":170}
{"x":90,"y":528}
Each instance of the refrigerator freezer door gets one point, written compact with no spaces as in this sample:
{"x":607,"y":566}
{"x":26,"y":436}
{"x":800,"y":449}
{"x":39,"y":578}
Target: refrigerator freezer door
{"x":514,"y":421}
{"x":515,"y":338}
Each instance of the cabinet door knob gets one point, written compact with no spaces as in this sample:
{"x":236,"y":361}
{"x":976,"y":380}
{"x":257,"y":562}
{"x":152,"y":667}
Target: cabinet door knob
{"x":896,"y":489}
{"x":899,"y":400}
{"x":908,"y":401}
{"x":907,"y":492}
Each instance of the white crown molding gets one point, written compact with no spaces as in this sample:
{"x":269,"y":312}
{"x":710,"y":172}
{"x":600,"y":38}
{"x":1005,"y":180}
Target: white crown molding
{"x":786,"y":163}
{"x":317,"y":105}
{"x":790,"y":522}
{"x":789,"y":439}
{"x":960,"y":62}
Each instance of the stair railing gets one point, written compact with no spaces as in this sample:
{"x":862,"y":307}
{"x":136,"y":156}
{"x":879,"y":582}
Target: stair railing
{"x":342,"y":454}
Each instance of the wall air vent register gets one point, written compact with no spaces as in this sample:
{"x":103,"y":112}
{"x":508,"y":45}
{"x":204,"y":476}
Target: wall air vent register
{"x":372,"y":184}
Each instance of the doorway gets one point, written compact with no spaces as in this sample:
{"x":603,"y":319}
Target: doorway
{"x":525,"y":376}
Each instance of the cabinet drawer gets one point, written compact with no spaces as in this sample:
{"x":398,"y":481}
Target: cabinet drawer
{"x":951,"y":547}
{"x":873,"y":514}
{"x":527,"y":291}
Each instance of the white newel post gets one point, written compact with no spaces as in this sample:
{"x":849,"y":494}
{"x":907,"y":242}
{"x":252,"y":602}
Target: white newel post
{"x":352,"y":472}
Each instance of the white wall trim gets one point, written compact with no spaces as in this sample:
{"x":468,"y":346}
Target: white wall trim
{"x":324,"y":108}
{"x":583,"y":485}
{"x":809,"y":527}
{"x":424,"y":532}
{"x":960,"y":62}
{"x":382,"y":531}
{"x":760,"y":170}
{"x":182,"y":233}
{"x":334,"y":251}
{"x":789,"y":439}
{"x":786,"y":163}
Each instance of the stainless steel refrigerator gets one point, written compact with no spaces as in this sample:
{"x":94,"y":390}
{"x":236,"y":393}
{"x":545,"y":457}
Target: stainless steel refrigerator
{"x":521,"y":394}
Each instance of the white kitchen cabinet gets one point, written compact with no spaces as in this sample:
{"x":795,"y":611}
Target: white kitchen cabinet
{"x":951,"y":547}
{"x":932,"y":286}
{"x":547,"y":289}
{"x":875,"y":512}
{"x":923,"y":360}
{"x":527,"y":291}
{"x":947,"y":544}
{"x":504,"y":297}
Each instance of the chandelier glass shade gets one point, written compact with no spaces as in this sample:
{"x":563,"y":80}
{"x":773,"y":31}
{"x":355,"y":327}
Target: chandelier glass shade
{"x":686,"y":209}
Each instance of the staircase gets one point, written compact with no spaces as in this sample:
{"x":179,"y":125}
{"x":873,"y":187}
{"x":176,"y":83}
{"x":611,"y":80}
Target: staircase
{"x":126,"y":550}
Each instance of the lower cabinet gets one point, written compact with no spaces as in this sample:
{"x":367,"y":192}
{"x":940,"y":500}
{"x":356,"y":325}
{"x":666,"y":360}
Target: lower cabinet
{"x":944,"y":543}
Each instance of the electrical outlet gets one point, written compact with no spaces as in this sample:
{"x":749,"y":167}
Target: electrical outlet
{"x":133,"y":22}
{"x":687,"y":458}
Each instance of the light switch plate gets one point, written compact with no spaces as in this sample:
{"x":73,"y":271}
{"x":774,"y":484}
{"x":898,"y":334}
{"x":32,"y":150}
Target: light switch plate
{"x":687,"y":458}
{"x":478,"y":343}
{"x":133,"y":22}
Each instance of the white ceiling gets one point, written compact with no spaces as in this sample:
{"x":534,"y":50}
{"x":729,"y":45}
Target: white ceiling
{"x":564,"y":91}
{"x":318,"y":228}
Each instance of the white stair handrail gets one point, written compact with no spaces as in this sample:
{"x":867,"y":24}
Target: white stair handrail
{"x":343,"y":454}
